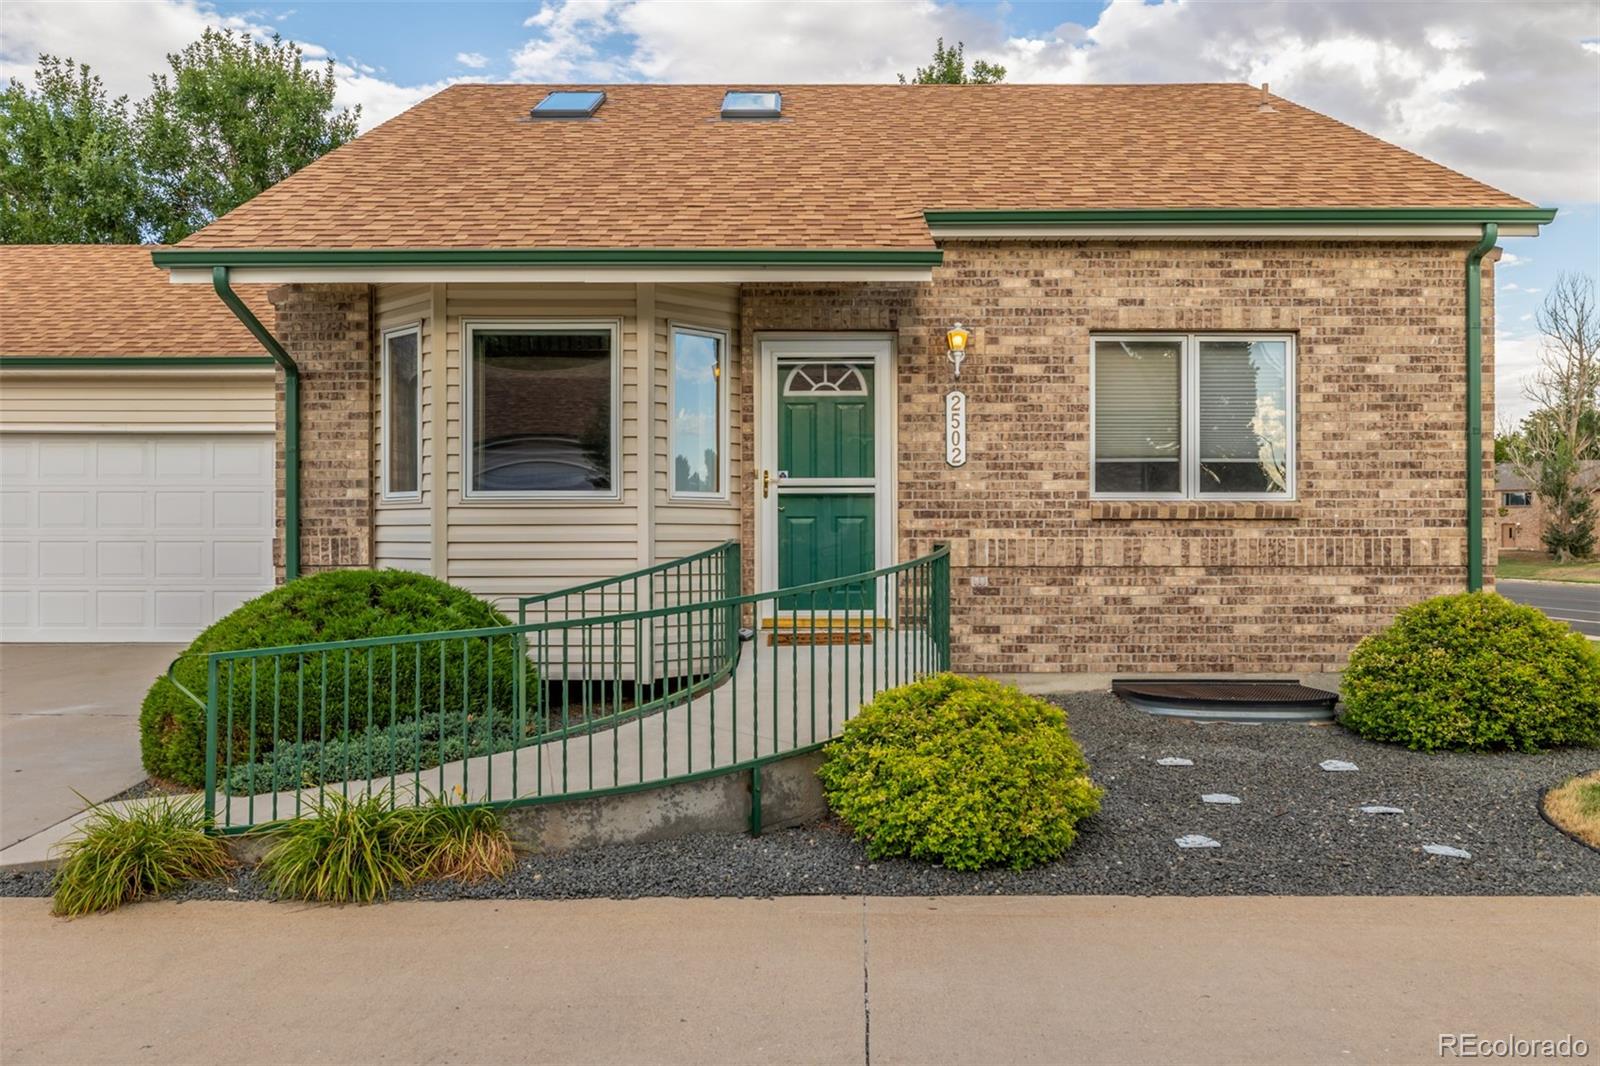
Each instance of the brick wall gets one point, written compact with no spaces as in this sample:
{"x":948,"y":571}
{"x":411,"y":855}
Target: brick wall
{"x":1046,"y":580}
{"x":328,"y":331}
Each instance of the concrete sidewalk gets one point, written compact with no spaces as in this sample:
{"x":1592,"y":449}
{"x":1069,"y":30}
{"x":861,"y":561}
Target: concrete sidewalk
{"x":831,"y":980}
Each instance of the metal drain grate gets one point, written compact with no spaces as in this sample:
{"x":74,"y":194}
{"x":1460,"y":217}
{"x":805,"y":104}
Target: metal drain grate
{"x":1228,"y":700}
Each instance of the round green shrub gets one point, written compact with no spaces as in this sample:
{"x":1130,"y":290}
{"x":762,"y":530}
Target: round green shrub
{"x":323,"y":698}
{"x":963,"y":771}
{"x":1474,"y":672}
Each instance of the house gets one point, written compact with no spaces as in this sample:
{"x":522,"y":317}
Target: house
{"x":136,"y":422}
{"x":1522,"y":514}
{"x":1189,"y":377}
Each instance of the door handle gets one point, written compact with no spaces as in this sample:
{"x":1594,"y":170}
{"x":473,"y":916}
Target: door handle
{"x":766,"y":483}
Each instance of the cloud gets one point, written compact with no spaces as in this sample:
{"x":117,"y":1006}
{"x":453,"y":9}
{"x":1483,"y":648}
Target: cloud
{"x":125,"y":43}
{"x":1512,"y":259}
{"x":1516,"y":358}
{"x":1512,"y":102}
{"x":475,"y":60}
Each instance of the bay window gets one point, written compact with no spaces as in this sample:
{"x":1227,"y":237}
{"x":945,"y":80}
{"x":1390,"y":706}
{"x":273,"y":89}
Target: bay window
{"x":541,"y":408}
{"x":1193,"y":416}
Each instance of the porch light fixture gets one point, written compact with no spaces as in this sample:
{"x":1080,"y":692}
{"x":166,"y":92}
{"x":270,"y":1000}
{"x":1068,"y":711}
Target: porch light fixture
{"x":955,"y":339}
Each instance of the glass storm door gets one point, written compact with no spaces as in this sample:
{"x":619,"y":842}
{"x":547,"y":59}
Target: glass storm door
{"x":826,"y":480}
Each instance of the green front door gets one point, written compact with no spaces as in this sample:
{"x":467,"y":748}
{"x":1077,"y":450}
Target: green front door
{"x":827,"y":497}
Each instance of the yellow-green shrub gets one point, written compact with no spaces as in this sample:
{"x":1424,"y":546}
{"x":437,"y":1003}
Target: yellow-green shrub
{"x":961,"y":771}
{"x":1474,"y":671}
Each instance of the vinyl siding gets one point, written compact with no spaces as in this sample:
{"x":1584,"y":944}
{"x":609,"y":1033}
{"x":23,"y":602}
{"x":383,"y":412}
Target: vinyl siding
{"x":505,"y":548}
{"x":136,"y":401}
{"x":402,"y":529}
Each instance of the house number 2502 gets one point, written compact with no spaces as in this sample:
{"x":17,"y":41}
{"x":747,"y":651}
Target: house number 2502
{"x":955,"y":428}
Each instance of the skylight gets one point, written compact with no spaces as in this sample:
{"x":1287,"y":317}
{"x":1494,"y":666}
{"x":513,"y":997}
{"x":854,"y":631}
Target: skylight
{"x":569,"y":104}
{"x":736,"y":104}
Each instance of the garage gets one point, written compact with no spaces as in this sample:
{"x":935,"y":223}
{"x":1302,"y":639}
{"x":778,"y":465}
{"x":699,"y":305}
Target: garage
{"x":136,"y":451}
{"x":131,"y":537}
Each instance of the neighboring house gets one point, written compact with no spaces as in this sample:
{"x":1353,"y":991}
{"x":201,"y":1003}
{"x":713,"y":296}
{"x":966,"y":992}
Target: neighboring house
{"x":136,"y":421}
{"x":1522,"y":514}
{"x":1221,"y":354}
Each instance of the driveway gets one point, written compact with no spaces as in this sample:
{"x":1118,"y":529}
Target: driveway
{"x":828,"y":980}
{"x":69,"y":720}
{"x":1574,"y":603}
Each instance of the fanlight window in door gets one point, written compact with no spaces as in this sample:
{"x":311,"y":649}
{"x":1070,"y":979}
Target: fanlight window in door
{"x":838,"y":379}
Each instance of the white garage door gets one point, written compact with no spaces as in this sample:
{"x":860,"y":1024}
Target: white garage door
{"x":128,"y":537}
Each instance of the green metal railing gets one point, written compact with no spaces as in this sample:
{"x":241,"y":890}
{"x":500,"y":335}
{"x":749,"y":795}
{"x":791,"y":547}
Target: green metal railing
{"x":662,"y":675}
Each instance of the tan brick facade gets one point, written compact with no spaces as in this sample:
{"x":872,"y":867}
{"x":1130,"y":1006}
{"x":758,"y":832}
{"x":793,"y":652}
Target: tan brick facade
{"x":1047,"y":580}
{"x":328,"y":331}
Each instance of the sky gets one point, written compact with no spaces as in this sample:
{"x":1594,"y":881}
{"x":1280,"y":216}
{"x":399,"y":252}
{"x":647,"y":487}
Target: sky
{"x":1506,"y":92}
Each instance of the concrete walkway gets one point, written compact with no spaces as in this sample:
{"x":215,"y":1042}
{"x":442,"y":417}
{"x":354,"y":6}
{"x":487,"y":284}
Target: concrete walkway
{"x":69,"y":720}
{"x":820,"y":980}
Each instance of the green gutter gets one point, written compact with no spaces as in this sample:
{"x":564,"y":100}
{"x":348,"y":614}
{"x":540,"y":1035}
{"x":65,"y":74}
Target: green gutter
{"x":291,"y":418}
{"x":181,"y":258}
{"x":135,"y":362}
{"x":1491,"y":232}
{"x":1238,"y":215}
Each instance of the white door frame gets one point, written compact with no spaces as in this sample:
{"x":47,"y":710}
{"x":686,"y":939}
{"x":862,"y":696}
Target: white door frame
{"x":770,"y":348}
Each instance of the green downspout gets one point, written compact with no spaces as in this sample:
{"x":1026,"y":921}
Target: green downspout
{"x":291,"y":418}
{"x":1491,"y":232}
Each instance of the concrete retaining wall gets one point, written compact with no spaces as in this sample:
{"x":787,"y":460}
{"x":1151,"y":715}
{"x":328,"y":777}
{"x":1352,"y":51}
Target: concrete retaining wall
{"x":791,"y":794}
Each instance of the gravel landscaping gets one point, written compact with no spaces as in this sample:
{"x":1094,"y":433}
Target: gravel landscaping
{"x":1297,"y":830}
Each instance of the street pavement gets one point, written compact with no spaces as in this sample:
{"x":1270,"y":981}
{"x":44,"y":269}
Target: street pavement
{"x":983,"y":980}
{"x":1572,"y":602}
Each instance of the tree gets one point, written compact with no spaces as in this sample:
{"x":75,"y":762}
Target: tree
{"x":234,"y":117}
{"x":69,"y":173}
{"x":949,"y":67}
{"x":1564,"y":429}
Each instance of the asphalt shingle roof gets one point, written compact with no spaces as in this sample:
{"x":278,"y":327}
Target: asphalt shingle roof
{"x":109,"y":299}
{"x":846,"y":167}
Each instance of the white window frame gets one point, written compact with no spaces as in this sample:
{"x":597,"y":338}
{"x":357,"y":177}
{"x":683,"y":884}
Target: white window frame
{"x":385,"y":492}
{"x":469,"y":328}
{"x":721,"y":337}
{"x":1189,"y":416}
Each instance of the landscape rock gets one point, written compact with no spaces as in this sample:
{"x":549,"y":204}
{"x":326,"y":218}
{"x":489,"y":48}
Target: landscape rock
{"x":1173,"y":760}
{"x":1195,"y":840}
{"x":1376,"y":809}
{"x":1447,"y":851}
{"x":1219,"y":797}
{"x":1337,"y":765}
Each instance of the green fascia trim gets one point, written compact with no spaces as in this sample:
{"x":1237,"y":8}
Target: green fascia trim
{"x":617,"y":257}
{"x":1252,"y":216}
{"x":109,"y":362}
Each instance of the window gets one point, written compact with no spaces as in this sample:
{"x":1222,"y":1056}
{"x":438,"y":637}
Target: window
{"x":838,"y":378}
{"x":1517,"y":499}
{"x":568,"y":104}
{"x":541,"y":416}
{"x":402,"y":414}
{"x":1194,"y":416}
{"x":699,"y":410}
{"x":737,"y":104}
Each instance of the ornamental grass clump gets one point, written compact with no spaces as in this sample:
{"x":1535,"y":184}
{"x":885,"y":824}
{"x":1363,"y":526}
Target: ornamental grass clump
{"x":1474,"y":672}
{"x":446,"y":840}
{"x":961,"y":771}
{"x":120,"y":856}
{"x":359,"y":850}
